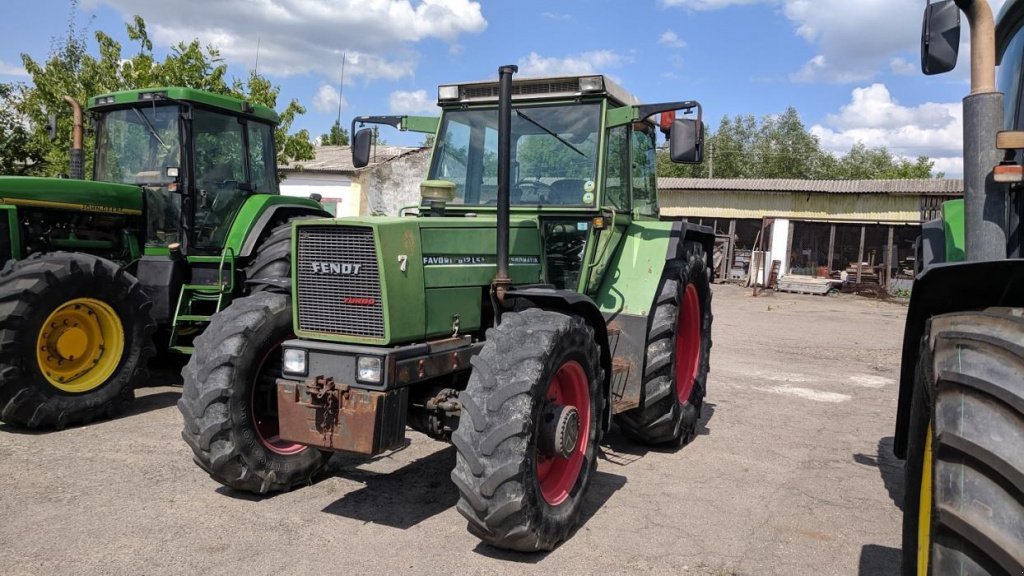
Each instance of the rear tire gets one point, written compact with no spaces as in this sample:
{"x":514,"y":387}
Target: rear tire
{"x":964,"y":508}
{"x":513,"y":491}
{"x":273,"y":259}
{"x":228,"y":400}
{"x":676,"y":366}
{"x":75,"y":335}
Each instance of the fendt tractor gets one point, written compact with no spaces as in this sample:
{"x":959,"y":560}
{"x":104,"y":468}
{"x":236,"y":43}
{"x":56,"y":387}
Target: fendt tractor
{"x":960,"y":424}
{"x":533,"y":297}
{"x":183,"y":214}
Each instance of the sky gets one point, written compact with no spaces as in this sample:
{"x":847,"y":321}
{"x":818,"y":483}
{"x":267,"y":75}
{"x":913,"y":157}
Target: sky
{"x":849,"y":67}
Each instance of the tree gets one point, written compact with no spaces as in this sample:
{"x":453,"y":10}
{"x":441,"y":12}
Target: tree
{"x":338,"y":136}
{"x":70,"y":69}
{"x":19,"y":153}
{"x":781,"y":147}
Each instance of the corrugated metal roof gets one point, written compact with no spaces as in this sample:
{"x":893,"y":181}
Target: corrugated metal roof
{"x":917,"y":187}
{"x":338,"y":159}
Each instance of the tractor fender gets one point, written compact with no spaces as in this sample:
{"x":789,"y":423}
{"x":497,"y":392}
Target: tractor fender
{"x":571,"y":303}
{"x":941,"y":289}
{"x":683,"y":232}
{"x":262,"y":212}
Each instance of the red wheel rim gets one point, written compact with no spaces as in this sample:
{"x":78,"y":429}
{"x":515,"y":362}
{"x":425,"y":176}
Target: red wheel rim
{"x":263,"y":405}
{"x":687,"y":343}
{"x":556,"y":475}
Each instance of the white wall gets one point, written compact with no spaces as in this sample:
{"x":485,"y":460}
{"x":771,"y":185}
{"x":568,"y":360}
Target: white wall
{"x":779,"y":245}
{"x":334,"y":189}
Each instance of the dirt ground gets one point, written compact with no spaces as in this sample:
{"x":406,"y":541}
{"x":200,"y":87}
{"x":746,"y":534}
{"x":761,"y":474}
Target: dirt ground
{"x":792,"y":473}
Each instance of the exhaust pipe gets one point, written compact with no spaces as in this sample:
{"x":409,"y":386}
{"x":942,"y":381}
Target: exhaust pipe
{"x":77,"y":154}
{"x":501,"y":278}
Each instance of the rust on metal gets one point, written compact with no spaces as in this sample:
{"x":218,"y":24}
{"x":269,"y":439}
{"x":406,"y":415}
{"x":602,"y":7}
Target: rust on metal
{"x":322,"y":413}
{"x":435,"y":364}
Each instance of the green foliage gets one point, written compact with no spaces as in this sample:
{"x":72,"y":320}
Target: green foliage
{"x":338,"y":136}
{"x":72,"y":69}
{"x":781,"y":147}
{"x":19,"y":152}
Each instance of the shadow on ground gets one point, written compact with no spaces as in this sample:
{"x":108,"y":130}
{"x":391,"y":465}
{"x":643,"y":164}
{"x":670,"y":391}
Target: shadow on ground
{"x":402,"y":498}
{"x":889,"y":467}
{"x":142,"y":404}
{"x":602,"y":486}
{"x":620,"y":450}
{"x":878,"y":560}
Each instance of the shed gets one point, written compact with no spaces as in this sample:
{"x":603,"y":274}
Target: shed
{"x":866,"y":228}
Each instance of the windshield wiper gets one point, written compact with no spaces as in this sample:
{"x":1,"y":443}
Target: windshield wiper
{"x":559,"y":138}
{"x":151,"y":129}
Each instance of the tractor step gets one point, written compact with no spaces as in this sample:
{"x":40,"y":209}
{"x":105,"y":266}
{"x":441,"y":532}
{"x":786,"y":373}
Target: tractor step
{"x":193,"y":318}
{"x":187,"y":350}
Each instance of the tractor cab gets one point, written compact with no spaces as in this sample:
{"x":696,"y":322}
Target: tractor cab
{"x":197,"y":155}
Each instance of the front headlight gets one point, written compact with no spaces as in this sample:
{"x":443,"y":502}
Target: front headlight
{"x":368,"y":369}
{"x":294,"y":361}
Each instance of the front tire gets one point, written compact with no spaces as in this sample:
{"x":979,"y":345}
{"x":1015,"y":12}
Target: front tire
{"x":964,"y":503}
{"x":229,"y":400}
{"x":677,"y":356}
{"x":75,"y":335}
{"x":524,"y":464}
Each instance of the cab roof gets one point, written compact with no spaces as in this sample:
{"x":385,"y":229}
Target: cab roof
{"x":535,"y":88}
{"x":191,"y":95}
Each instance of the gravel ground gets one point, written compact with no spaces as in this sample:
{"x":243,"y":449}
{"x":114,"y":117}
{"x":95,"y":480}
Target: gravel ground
{"x":792,"y":473}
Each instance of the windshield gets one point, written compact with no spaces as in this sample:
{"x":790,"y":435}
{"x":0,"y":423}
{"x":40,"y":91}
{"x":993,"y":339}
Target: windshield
{"x":553,"y":156}
{"x":137,"y":145}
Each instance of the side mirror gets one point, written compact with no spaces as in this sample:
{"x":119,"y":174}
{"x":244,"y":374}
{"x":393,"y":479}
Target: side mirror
{"x":940,"y":37}
{"x":361,"y":147}
{"x":686,"y":141}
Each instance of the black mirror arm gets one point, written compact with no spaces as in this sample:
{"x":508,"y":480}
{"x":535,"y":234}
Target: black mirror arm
{"x":647,"y":110}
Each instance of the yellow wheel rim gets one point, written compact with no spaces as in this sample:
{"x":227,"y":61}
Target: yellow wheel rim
{"x":924,"y":510}
{"x":80,"y":345}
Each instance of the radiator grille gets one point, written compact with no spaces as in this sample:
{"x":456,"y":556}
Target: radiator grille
{"x":347,"y":303}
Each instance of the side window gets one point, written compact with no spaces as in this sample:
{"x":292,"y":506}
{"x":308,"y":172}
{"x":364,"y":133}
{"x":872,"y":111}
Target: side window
{"x":1008,"y":80}
{"x":262,"y":159}
{"x":643,"y":176}
{"x":452,"y":153}
{"x":219,"y":168}
{"x":616,"y":169}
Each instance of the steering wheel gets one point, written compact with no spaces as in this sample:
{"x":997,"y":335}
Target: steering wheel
{"x":536,"y":187}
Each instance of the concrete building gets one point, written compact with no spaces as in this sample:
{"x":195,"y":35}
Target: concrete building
{"x":390,"y":182}
{"x":820,"y":228}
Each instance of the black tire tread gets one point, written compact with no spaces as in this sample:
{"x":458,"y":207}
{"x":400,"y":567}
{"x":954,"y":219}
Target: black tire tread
{"x":492,"y":437}
{"x":210,"y":383}
{"x":661,"y":419}
{"x":23,"y":284}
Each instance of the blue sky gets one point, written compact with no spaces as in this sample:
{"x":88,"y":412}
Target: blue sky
{"x":849,"y":67}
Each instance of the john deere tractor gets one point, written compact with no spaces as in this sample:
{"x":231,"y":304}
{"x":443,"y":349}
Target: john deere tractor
{"x":535,"y":297}
{"x":182,"y":215}
{"x":960,"y":424}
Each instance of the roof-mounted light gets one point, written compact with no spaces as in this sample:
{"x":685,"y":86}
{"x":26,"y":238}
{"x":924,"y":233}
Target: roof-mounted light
{"x":447,"y":93}
{"x":592,"y":84}
{"x":152,"y":95}
{"x":104,"y":100}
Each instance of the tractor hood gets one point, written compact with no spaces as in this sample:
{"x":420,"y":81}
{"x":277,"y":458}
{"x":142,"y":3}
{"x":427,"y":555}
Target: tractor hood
{"x":393,"y":280}
{"x":78,"y":195}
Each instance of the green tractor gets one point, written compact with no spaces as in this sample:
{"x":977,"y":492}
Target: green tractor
{"x":960,"y":422}
{"x":182,"y":215}
{"x":534,"y":298}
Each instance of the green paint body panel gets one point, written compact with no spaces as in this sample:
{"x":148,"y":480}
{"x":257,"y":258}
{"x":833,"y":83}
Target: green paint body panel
{"x":421,"y":301}
{"x":191,"y":95}
{"x":78,"y":195}
{"x":953,"y":222}
{"x":631,"y":282}
{"x":254,"y":206}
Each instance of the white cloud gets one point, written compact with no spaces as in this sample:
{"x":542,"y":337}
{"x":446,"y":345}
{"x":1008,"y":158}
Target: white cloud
{"x":415,"y":102}
{"x":304,"y":36}
{"x":874,"y":118}
{"x":557,"y":16}
{"x":327,"y":99}
{"x":583,"y":63}
{"x":856,"y":38}
{"x":671,"y":39}
{"x":902,"y":67}
{"x":11,"y":69}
